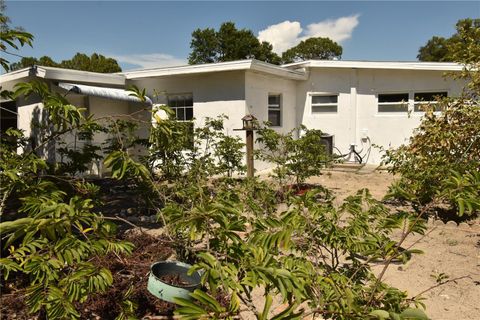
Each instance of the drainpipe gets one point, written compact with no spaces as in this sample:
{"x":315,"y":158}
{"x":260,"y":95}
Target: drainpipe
{"x":353,"y":103}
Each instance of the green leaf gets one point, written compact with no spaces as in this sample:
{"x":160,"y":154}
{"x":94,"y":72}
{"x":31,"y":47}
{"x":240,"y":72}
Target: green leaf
{"x":413,"y":314}
{"x":207,"y":300}
{"x":380,"y":314}
{"x":266,"y":307}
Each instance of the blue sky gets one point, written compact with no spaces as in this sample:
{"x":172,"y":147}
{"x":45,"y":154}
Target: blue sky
{"x":155,"y":33}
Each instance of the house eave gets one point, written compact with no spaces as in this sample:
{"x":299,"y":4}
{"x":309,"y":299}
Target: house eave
{"x":17,"y":75}
{"x":242,"y":65}
{"x":68,"y":75}
{"x":385,"y":65}
{"x":59,"y":74}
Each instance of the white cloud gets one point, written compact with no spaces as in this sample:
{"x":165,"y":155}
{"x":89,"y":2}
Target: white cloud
{"x":150,"y":60}
{"x":281,"y":35}
{"x":288,"y":34}
{"x":338,"y":30}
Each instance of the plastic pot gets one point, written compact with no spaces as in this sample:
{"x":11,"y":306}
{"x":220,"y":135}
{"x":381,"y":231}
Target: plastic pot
{"x":172,"y":270}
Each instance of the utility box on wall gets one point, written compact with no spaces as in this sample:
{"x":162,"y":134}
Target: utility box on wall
{"x":327,"y":141}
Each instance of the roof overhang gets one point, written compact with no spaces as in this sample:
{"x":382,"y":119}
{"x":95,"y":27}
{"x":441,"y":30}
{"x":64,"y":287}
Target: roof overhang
{"x":243,"y":65}
{"x":388,"y":65}
{"x":102,"y":92}
{"x":59,"y":74}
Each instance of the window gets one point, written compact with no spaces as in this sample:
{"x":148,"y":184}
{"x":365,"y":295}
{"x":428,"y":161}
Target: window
{"x":8,"y":115}
{"x":182,"y":104}
{"x":393,"y":102}
{"x":422,"y":99}
{"x":275,"y":110}
{"x":324,"y":104}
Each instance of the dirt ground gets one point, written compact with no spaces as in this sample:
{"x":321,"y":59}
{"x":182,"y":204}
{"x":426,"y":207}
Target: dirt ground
{"x":448,"y":249}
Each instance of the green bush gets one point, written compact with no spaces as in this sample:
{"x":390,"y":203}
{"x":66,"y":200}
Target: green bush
{"x":443,"y":143}
{"x":441,"y":161}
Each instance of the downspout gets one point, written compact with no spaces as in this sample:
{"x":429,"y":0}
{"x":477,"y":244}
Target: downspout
{"x":353,"y":104}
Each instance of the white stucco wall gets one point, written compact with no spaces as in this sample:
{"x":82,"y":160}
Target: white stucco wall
{"x":105,"y":110}
{"x":237,"y":93}
{"x":328,"y":81}
{"x":257,"y":88}
{"x":213,"y":94}
{"x":358,"y":115}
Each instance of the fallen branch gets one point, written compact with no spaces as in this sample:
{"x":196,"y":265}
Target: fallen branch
{"x":438,"y":285}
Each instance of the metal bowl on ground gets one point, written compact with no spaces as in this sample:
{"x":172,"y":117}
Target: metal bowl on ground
{"x":170,"y":279}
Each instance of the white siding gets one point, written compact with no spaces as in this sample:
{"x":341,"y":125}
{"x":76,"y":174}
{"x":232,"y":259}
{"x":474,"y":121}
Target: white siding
{"x":358,"y":115}
{"x":257,"y":88}
{"x":213,"y":94}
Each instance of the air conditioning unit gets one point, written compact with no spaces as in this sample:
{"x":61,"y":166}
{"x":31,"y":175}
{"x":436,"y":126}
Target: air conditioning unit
{"x":327,"y":141}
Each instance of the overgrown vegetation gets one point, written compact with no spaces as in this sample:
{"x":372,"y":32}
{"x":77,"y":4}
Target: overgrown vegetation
{"x":255,"y":243}
{"x":311,"y":255}
{"x":442,"y":157}
{"x":294,"y":158}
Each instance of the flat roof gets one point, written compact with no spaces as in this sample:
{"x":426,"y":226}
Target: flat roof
{"x":399,"y":65}
{"x":252,"y":64}
{"x":60,"y":74}
{"x":294,"y":71}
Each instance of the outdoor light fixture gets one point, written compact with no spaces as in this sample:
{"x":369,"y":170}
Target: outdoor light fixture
{"x":249,"y":125}
{"x":248,"y":122}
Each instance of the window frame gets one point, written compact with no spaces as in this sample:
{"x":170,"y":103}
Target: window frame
{"x":276,"y":108}
{"x":189,"y":123}
{"x":432,"y":102}
{"x":323,"y":94}
{"x":184,"y":107}
{"x":9,"y":115}
{"x":406,"y":103}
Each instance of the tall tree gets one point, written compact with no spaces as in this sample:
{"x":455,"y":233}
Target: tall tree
{"x":26,"y":62}
{"x":434,"y":50}
{"x":228,"y":44}
{"x":313,"y":48}
{"x":95,"y":63}
{"x":446,"y":49}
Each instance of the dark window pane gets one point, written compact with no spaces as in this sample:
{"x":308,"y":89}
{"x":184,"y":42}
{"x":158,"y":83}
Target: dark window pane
{"x":429,"y":96}
{"x":393,"y":108}
{"x":8,"y":116}
{"x":181,"y":114}
{"x":422,"y":107}
{"x":324,"y":109}
{"x":188,"y":113}
{"x":274,"y":99}
{"x":189,"y":101}
{"x":274,"y":117}
{"x":324,"y":99}
{"x":172,"y":102}
{"x":181,"y":101}
{"x":394,"y":97}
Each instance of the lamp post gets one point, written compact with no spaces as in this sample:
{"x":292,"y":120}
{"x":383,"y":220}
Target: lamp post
{"x":249,"y":122}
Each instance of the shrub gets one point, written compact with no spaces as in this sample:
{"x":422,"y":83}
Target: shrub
{"x":441,"y":162}
{"x":296,"y":159}
{"x":443,"y":143}
{"x":48,"y":242}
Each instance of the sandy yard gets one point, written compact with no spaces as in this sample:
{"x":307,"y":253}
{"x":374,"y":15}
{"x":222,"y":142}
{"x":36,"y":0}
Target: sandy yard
{"x":449,"y":249}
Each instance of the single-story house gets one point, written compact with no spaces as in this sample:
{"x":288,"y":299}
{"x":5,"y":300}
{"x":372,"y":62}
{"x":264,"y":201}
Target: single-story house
{"x":356,"y":103}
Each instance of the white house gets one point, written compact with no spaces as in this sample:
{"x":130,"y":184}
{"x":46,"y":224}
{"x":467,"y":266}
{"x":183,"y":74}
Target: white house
{"x":355,"y":102}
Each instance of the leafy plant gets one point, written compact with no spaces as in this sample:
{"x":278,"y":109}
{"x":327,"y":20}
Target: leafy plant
{"x":293,"y":158}
{"x":11,"y":38}
{"x":50,"y":240}
{"x":312,"y":252}
{"x":440,"y":163}
{"x":52,"y":246}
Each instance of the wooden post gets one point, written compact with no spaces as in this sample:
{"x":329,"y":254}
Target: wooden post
{"x":250,"y":166}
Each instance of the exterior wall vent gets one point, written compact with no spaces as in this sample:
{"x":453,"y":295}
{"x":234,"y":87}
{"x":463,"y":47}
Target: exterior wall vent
{"x":327,"y":141}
